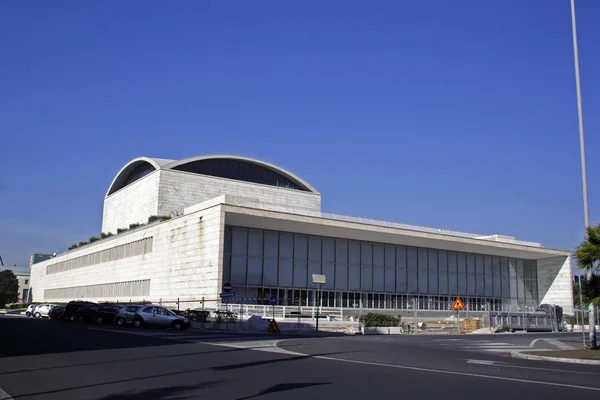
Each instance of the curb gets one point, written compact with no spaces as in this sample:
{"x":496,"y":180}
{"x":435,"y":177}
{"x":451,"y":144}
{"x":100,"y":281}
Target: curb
{"x":518,"y":354}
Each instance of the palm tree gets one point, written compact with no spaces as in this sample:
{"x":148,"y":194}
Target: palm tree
{"x":588,"y":259}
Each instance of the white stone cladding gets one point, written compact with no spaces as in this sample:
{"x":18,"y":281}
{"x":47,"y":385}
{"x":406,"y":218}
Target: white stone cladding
{"x":555,"y":282}
{"x":186,"y":262}
{"x":179,"y":190}
{"x":132,"y":204}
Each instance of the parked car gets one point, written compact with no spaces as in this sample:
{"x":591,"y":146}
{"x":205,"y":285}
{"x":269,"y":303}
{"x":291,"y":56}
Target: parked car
{"x":56,"y":312}
{"x":73,"y":307}
{"x":30,"y":309}
{"x":160,"y":316}
{"x":86,"y":312}
{"x":125,"y":314}
{"x":103,"y":314}
{"x":42,"y":310}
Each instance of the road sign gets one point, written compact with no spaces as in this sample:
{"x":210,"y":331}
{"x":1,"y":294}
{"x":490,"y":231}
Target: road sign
{"x":273,"y":328}
{"x":458,"y":305}
{"x":273,"y":300}
{"x":227,"y":294}
{"x":317,"y":278}
{"x":227,"y":287}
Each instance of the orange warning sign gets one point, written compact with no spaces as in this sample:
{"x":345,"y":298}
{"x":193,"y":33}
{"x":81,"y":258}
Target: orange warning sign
{"x":273,"y":328}
{"x":458,"y":305}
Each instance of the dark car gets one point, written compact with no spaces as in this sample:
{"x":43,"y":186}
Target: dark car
{"x":56,"y":312}
{"x":72,"y":309}
{"x":103,"y":314}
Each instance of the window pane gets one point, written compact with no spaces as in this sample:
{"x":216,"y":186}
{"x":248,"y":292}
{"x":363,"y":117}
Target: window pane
{"x":497,"y":286}
{"x":285,"y":273}
{"x":239,"y":241}
{"x":255,"y":271}
{"x":452,"y":267}
{"x":378,"y":279}
{"x":341,"y":277}
{"x":390,"y":280}
{"x":313,"y":268}
{"x":255,"y":243}
{"x":504,"y":266}
{"x":479,"y":263}
{"x":489,"y":285}
{"x":366,"y":278}
{"x":341,"y":251}
{"x":487,"y":262}
{"x":412,"y":259}
{"x":432,"y":260}
{"x":354,"y":252}
{"x":433,"y":282}
{"x":453,"y":284}
{"x":443,"y":282}
{"x":401,"y":261}
{"x":505,"y":287}
{"x":286,"y":245}
{"x":300,"y":247}
{"x":390,"y":256}
{"x":238,"y":270}
{"x":226,"y":268}
{"x":329,"y":272}
{"x":422,"y":281}
{"x":471,"y":285}
{"x":314,"y":248}
{"x":354,"y":278}
{"x":422,"y":259}
{"x":413,"y":279}
{"x":366,"y":253}
{"x":271,"y":244}
{"x":442,"y":260}
{"x":512,"y":268}
{"x":328,"y":249}
{"x":462,"y":263}
{"x":270,"y":272}
{"x":462,"y":284}
{"x":470,"y":263}
{"x":378,"y":255}
{"x":226,"y":241}
{"x":300,"y":274}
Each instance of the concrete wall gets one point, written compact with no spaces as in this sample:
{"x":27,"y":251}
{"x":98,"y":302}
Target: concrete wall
{"x":185,"y":262}
{"x":132,"y":204}
{"x":555,"y":282}
{"x":179,"y":190}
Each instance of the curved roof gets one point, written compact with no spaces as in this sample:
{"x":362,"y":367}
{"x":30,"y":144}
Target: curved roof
{"x":142,"y":166}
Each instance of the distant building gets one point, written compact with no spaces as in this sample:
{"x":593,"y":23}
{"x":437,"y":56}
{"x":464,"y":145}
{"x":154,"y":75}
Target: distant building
{"x":24,"y":282}
{"x":257,"y":230}
{"x":39,"y":257}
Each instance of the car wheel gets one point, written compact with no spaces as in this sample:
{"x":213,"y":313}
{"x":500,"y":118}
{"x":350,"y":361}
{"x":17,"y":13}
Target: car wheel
{"x":120,"y":321}
{"x":28,"y":314}
{"x":38,"y":315}
{"x":137,"y":323}
{"x":99,"y":320}
{"x":177,"y":326}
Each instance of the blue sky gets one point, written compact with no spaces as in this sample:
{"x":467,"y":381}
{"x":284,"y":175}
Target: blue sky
{"x":451,"y":114}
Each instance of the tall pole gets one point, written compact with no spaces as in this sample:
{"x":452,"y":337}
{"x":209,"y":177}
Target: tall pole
{"x":586,"y":216}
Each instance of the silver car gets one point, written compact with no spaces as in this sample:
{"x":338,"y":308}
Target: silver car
{"x":160,"y":316}
{"x":126,"y":314}
{"x":42,"y":310}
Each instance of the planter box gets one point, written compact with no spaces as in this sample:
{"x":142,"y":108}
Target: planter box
{"x":395,"y":330}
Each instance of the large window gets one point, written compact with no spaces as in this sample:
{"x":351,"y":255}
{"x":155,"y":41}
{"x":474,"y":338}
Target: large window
{"x":270,"y":260}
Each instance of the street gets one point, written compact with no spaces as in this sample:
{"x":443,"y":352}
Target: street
{"x":58,"y":360}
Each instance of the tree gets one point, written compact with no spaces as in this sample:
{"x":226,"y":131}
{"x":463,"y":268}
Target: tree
{"x":9,"y":288}
{"x":588,"y":259}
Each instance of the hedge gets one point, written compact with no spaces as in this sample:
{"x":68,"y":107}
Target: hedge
{"x":380,"y":320}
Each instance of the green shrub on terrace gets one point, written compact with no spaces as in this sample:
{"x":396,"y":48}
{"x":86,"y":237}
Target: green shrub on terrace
{"x":379,"y":320}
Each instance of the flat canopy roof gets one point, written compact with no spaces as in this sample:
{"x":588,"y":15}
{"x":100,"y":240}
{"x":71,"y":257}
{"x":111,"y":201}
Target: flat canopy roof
{"x":322,"y":226}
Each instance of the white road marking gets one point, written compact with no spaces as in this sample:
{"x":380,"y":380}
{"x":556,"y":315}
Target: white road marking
{"x":4,"y":395}
{"x":481,"y":362}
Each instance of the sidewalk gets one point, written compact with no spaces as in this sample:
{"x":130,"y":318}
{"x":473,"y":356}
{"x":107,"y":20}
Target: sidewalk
{"x":591,"y":357}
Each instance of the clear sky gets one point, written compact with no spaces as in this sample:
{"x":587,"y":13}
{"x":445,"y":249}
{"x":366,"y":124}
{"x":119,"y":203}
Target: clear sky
{"x":451,"y":114}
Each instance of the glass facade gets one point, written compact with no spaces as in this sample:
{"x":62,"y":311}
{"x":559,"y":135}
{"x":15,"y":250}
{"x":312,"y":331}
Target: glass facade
{"x":239,"y":170}
{"x":261,"y":263}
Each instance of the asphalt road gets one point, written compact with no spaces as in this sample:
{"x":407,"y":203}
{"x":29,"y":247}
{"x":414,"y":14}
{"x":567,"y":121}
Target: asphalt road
{"x":41,"y":359}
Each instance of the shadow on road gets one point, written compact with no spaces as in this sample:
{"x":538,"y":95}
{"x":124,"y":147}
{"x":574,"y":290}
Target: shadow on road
{"x":169,"y":392}
{"x":282,"y":387}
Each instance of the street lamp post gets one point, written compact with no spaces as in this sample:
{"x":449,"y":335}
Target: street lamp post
{"x":586,"y":216}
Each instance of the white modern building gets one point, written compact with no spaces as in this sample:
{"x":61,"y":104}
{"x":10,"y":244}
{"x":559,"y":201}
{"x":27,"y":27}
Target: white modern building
{"x":260,"y":228}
